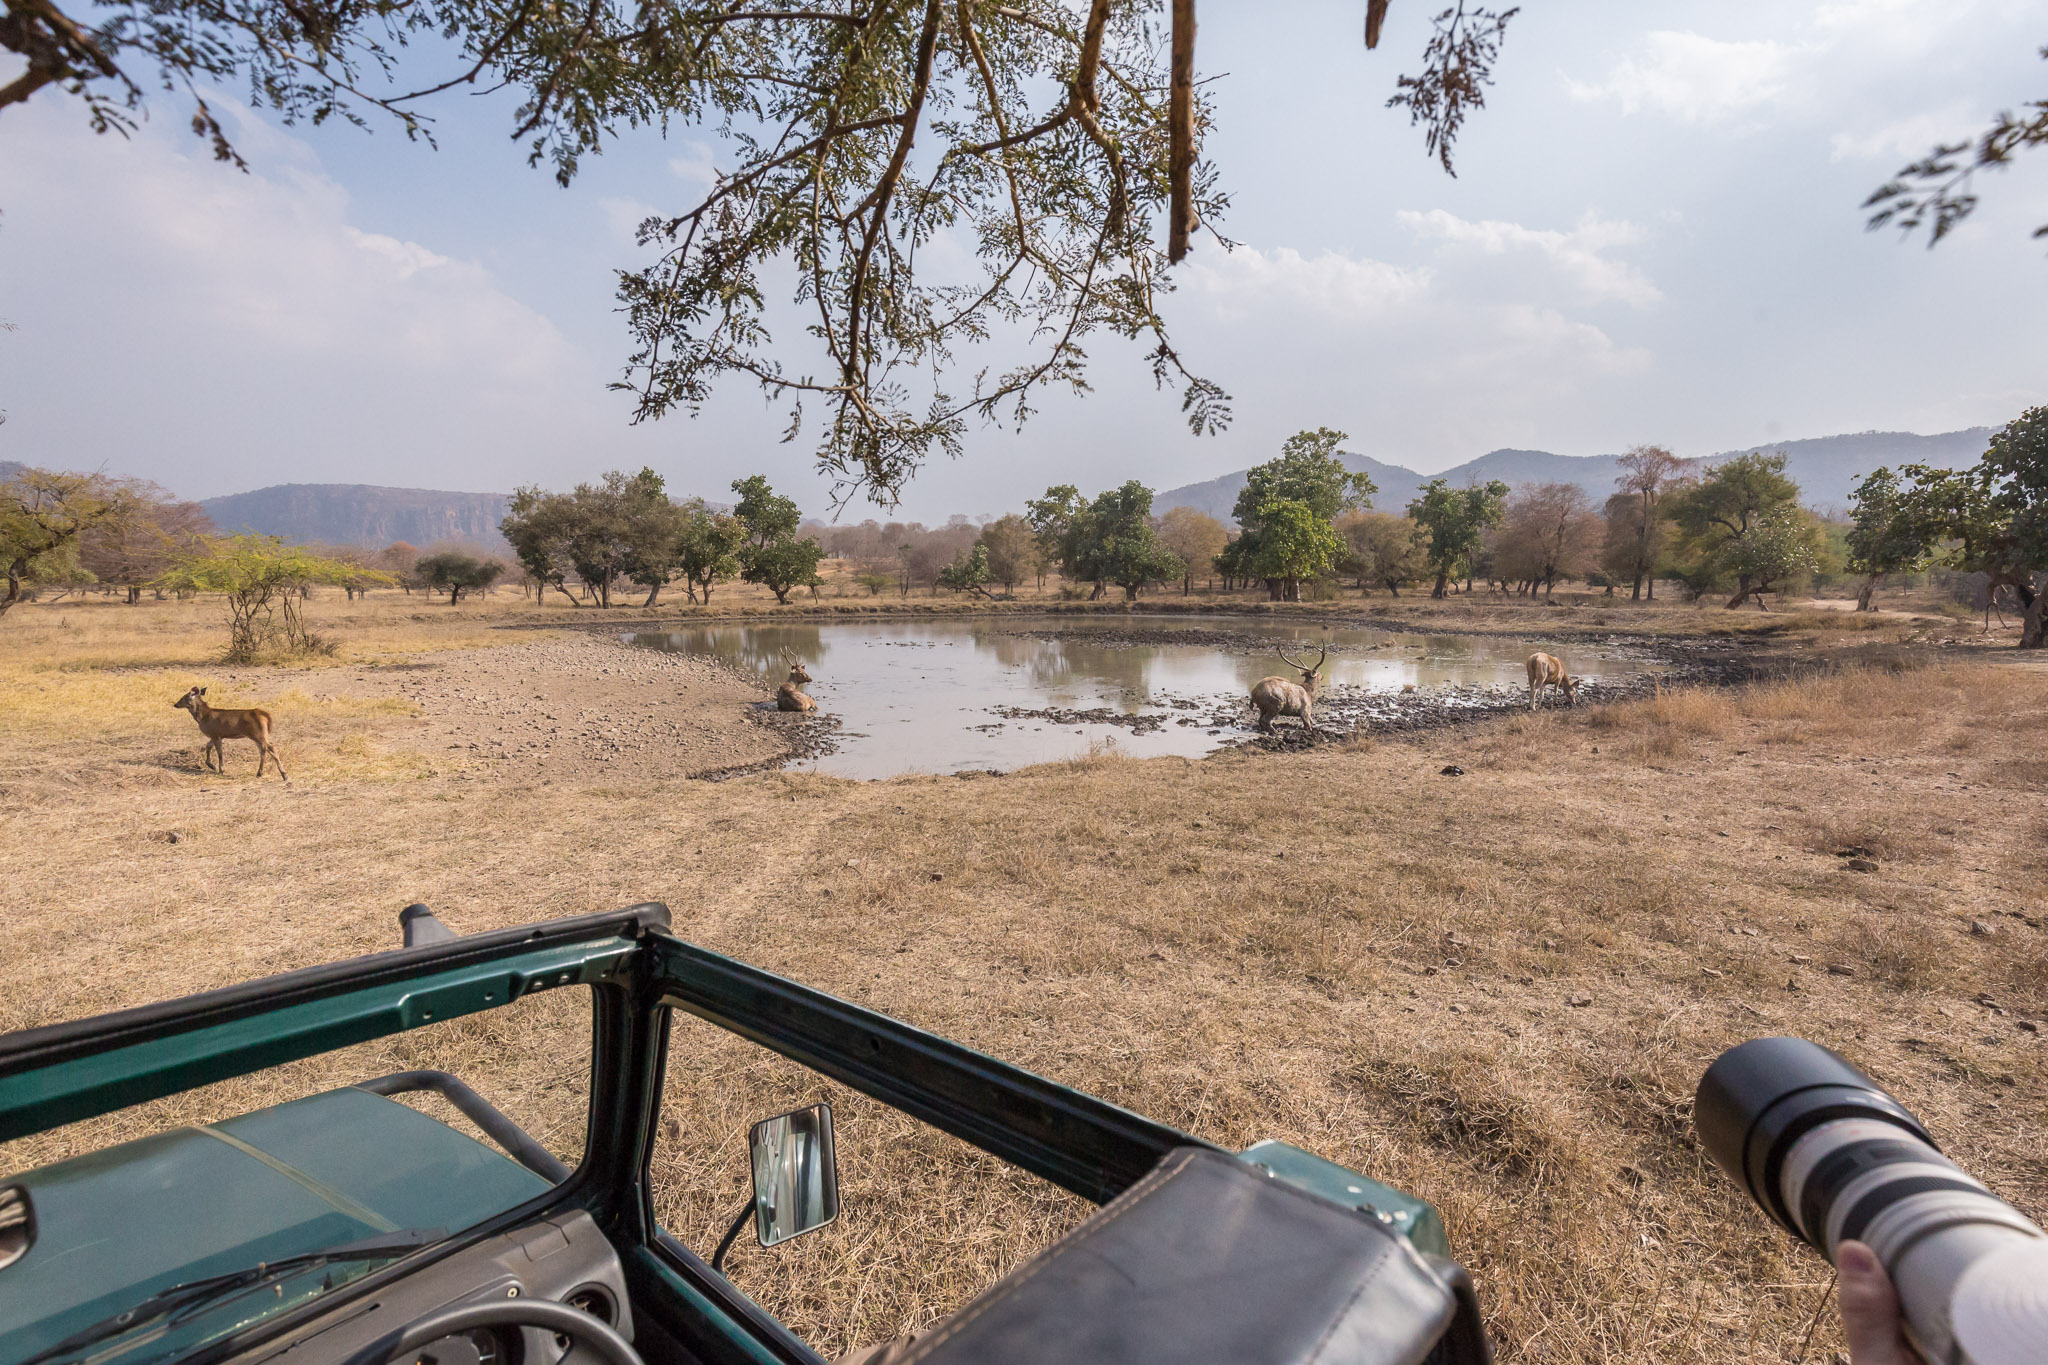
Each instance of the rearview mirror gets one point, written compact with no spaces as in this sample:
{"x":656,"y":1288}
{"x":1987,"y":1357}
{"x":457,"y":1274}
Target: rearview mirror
{"x":796,"y":1174}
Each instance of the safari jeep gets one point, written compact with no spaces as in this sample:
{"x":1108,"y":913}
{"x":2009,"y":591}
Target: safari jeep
{"x":353,"y":1225}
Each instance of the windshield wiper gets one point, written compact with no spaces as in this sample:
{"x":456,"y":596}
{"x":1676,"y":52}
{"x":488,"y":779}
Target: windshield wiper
{"x":180,"y":1301}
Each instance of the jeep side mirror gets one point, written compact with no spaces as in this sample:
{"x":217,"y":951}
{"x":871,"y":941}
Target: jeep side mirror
{"x":18,"y":1222}
{"x":796,"y":1174}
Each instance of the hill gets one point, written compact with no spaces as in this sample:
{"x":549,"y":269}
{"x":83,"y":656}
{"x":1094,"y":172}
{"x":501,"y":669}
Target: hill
{"x":1826,"y":468}
{"x":363,"y":514}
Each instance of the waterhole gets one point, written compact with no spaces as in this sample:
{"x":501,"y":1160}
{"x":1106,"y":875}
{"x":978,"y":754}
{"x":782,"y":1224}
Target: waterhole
{"x":956,"y":695}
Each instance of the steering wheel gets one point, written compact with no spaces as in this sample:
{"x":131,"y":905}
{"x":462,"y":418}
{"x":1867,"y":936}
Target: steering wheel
{"x":597,"y":1335}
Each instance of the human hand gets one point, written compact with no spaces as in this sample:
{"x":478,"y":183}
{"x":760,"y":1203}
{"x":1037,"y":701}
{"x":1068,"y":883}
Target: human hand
{"x":1870,"y":1308}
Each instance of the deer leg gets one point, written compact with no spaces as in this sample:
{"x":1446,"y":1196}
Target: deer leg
{"x":214,"y":759}
{"x":262,"y":752}
{"x":267,"y":748}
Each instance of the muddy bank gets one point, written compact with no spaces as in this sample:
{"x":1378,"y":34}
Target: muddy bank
{"x":586,"y":707}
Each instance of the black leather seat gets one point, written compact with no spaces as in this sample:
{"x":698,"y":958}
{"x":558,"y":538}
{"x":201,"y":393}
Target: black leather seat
{"x":1208,"y":1261}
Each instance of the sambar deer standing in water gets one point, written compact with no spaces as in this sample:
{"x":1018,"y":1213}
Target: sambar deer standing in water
{"x":1547,"y":671}
{"x":219,"y":723}
{"x":1279,"y":697}
{"x":787,"y":696}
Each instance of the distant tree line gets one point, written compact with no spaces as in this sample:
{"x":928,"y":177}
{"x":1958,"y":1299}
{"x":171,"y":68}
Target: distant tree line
{"x":1305,"y":523}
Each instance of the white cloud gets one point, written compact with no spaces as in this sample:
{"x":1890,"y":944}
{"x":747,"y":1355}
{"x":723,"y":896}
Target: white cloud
{"x":248,"y":316}
{"x":1333,"y":331}
{"x":1694,"y":78}
{"x":1906,"y":138}
{"x":1246,"y":281}
{"x":696,"y":164}
{"x":1577,"y":255}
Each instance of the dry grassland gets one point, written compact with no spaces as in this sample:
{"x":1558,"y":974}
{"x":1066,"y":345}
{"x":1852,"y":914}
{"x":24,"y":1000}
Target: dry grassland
{"x":1344,"y":948}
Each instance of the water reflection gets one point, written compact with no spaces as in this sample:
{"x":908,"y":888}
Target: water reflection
{"x":922,"y":696}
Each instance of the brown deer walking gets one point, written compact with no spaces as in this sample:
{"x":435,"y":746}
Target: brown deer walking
{"x":1279,"y":697}
{"x":787,"y":697}
{"x":219,"y":723}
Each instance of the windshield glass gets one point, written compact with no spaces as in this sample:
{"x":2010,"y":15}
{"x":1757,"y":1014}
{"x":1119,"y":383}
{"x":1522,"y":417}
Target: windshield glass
{"x":172,"y":1321}
{"x":202,"y":1215}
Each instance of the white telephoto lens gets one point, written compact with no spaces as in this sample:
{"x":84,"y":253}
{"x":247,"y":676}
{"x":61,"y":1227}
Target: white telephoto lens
{"x":2000,"y":1310}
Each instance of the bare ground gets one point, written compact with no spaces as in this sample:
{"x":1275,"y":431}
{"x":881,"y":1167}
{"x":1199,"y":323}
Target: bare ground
{"x":1495,"y":989}
{"x":581,"y":707}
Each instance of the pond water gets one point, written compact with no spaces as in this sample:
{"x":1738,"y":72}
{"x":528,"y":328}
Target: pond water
{"x":952,"y":695}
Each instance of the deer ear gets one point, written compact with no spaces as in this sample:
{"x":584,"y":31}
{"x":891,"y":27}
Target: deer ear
{"x":202,"y":691}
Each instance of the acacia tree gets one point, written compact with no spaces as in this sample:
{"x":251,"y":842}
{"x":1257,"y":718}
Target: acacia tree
{"x":1195,"y":538}
{"x":1050,"y":134}
{"x":1742,"y":520}
{"x":539,"y":525}
{"x":1887,"y":533}
{"x":261,"y":580}
{"x":132,"y":550}
{"x":1993,"y":517}
{"x":457,"y":573}
{"x":1456,"y":520}
{"x":42,"y":516}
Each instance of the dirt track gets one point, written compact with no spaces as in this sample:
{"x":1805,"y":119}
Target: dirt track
{"x":580,"y":708}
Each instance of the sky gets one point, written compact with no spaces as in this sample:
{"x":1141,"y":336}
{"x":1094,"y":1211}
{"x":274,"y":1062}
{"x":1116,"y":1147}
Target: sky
{"x":1654,"y":236}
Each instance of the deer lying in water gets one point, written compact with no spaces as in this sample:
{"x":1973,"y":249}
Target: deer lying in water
{"x":787,"y":697}
{"x":1279,"y":697}
{"x":221,"y":723}
{"x":1547,"y":671}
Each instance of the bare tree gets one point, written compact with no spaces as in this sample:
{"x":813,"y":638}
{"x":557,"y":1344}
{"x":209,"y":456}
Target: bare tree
{"x":1550,"y":532}
{"x":1636,"y":531}
{"x":133,"y":550}
{"x":1196,"y":538}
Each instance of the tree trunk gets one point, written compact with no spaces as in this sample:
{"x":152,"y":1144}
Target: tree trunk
{"x":2034,"y":624}
{"x":1443,"y":582}
{"x":454,"y":596}
{"x":1393,"y":588}
{"x":1093,"y":596}
{"x":1863,"y":594}
{"x":1187,"y":582}
{"x":781,"y":594}
{"x":565,"y":592}
{"x":1130,"y":592}
{"x":652,"y":593}
{"x":134,"y":593}
{"x":1742,"y":592}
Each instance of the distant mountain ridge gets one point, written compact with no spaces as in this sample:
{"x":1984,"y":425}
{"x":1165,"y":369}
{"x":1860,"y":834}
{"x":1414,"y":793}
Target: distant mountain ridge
{"x":363,"y":514}
{"x":1826,"y":468}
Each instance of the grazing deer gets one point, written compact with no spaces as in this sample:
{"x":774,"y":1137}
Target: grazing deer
{"x":1547,"y":671}
{"x":787,"y":696}
{"x":218,"y":724}
{"x":1279,"y":697}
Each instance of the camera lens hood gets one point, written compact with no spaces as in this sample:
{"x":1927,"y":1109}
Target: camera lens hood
{"x":1758,"y":1098}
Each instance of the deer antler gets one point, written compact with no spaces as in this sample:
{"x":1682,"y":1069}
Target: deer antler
{"x":1290,"y":662}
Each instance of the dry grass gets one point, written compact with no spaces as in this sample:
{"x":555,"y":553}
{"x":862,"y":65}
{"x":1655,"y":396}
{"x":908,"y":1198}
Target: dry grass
{"x":1344,"y":949}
